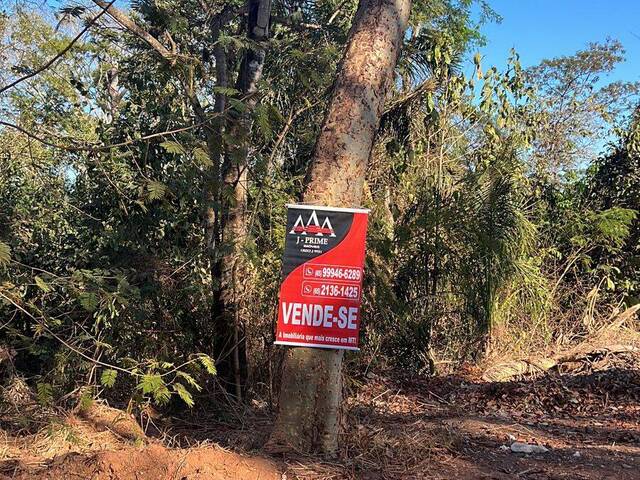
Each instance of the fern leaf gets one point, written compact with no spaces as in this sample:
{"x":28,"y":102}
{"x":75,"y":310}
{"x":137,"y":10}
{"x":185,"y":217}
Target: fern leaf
{"x":89,"y":301}
{"x":108,"y":378}
{"x":44,"y":393}
{"x":86,"y":400}
{"x":173,"y":147}
{"x":189,"y":379}
{"x":202,"y":157}
{"x":156,"y":190}
{"x":42,"y":285}
{"x":150,"y":383}
{"x":162,"y":395}
{"x":208,"y":364}
{"x":184,"y":394}
{"x":262,"y":121}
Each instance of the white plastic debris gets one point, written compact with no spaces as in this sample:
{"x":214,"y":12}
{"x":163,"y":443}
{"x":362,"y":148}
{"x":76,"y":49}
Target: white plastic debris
{"x":519,"y":447}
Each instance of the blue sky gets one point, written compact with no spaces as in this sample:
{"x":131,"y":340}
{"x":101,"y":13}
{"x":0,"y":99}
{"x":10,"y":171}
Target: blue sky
{"x":541,"y":29}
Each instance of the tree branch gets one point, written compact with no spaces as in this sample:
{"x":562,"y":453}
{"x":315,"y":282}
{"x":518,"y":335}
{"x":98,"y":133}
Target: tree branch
{"x":294,"y":25}
{"x":104,"y":5}
{"x":100,"y":148}
{"x":122,"y":18}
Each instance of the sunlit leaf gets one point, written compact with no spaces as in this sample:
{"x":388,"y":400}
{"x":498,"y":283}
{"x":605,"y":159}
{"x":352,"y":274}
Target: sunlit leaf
{"x":172,"y":147}
{"x":156,"y":190}
{"x":108,"y":377}
{"x":207,"y":363}
{"x":184,"y":394}
{"x":5,"y":254}
{"x":42,"y":285}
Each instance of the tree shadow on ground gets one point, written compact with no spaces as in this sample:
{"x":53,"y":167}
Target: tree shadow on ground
{"x":451,"y":427}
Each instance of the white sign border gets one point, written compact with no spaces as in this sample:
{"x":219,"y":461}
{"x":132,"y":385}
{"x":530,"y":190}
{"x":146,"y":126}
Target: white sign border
{"x":315,"y":345}
{"x":329,"y":209}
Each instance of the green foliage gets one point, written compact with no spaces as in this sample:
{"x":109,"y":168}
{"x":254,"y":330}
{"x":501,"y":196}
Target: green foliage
{"x":86,"y":399}
{"x":202,"y":157}
{"x":151,"y":383}
{"x":44,"y":393}
{"x":207,"y":363}
{"x":156,"y":190}
{"x":184,"y":394}
{"x":612,"y":226}
{"x":172,"y":147}
{"x":42,"y":285}
{"x":5,"y":254}
{"x":573,"y":105}
{"x":482,"y":225}
{"x":108,"y":377}
{"x":89,"y":301}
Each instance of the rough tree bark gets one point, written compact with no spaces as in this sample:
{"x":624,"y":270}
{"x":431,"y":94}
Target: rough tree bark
{"x":311,"y":392}
{"x":231,"y":341}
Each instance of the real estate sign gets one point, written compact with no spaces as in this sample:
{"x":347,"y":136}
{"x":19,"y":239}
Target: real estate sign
{"x":322,"y":271}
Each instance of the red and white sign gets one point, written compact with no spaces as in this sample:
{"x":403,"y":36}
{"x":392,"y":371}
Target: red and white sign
{"x":322,"y":270}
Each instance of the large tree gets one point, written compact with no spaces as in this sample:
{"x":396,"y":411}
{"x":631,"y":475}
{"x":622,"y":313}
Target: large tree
{"x":311,"y":391}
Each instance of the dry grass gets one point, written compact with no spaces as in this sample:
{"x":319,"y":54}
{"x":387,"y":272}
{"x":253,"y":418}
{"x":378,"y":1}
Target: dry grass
{"x":395,"y":428}
{"x":100,"y":428}
{"x":618,"y":334}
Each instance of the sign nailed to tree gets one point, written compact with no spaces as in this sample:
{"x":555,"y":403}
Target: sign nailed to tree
{"x":322,"y":273}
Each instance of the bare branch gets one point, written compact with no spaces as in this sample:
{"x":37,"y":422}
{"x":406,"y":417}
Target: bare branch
{"x":287,"y":22}
{"x":98,"y":148}
{"x":122,"y":18}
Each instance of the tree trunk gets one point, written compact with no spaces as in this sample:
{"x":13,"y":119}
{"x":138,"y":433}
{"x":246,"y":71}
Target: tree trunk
{"x":231,"y":339}
{"x":113,"y":93}
{"x":223,"y":220}
{"x":311,"y":391}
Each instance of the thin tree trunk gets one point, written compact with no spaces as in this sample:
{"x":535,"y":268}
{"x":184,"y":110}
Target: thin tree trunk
{"x":234,"y":200}
{"x":113,"y":93}
{"x":311,"y":392}
{"x":214,"y":147}
{"x":224,"y":221}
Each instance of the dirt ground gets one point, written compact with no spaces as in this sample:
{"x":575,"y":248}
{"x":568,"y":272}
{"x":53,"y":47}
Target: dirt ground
{"x":455,"y":427}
